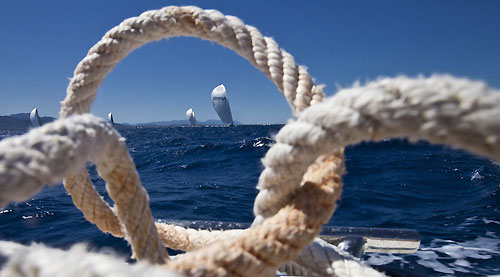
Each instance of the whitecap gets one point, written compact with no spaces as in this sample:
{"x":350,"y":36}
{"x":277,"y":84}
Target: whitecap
{"x":448,"y":256}
{"x":263,"y":141}
{"x":476,"y":174}
{"x":488,"y":221}
{"x":383,"y":258}
{"x":5,"y":211}
{"x":436,"y":266}
{"x":258,"y":144}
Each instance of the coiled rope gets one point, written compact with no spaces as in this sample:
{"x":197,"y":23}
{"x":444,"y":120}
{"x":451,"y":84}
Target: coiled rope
{"x":441,"y":109}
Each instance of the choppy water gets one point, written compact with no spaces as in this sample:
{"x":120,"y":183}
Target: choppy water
{"x":209,"y":173}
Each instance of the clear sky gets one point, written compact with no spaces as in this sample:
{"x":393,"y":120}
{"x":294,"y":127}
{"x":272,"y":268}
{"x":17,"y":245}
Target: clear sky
{"x":41,"y":42}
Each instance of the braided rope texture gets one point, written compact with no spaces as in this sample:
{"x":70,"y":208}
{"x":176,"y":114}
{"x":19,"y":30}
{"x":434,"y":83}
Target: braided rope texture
{"x":187,"y":239}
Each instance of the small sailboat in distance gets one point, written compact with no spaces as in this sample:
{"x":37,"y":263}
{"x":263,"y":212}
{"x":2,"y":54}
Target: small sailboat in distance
{"x":221,"y":104}
{"x":110,"y":119}
{"x":35,"y":118}
{"x":190,"y":117}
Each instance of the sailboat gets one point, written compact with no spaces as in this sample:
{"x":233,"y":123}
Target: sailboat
{"x":221,"y":105}
{"x":35,"y":118}
{"x":190,"y":117}
{"x":110,"y":119}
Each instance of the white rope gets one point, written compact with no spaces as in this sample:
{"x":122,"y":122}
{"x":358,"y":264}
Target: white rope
{"x":440,"y":109}
{"x":293,"y":269}
{"x":38,"y":260}
{"x":324,"y":259}
{"x":188,"y":239}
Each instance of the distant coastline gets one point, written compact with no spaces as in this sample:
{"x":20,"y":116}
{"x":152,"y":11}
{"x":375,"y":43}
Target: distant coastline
{"x":21,"y":121}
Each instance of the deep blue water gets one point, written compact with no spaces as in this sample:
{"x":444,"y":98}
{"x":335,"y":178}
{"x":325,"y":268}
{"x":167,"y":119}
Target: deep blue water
{"x":209,"y":173}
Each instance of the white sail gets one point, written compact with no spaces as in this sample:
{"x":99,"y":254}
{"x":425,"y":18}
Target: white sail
{"x":221,"y":104}
{"x":110,"y":119}
{"x":190,"y":117}
{"x":35,"y":118}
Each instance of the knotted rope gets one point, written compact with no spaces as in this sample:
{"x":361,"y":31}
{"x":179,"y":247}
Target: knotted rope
{"x":441,"y":109}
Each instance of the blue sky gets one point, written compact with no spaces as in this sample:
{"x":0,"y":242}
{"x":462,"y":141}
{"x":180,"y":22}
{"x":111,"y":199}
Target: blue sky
{"x":340,"y":42}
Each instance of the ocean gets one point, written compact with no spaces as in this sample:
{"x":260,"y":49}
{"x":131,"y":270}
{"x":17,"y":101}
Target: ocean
{"x":210,"y":173}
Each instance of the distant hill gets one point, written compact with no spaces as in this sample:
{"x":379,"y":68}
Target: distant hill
{"x":20,"y":121}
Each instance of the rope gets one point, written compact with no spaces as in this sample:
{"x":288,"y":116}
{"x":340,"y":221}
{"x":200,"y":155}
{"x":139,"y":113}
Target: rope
{"x":39,"y":260}
{"x":46,"y":154}
{"x":187,"y":239}
{"x":440,"y":109}
{"x":324,"y":259}
{"x":88,"y":200}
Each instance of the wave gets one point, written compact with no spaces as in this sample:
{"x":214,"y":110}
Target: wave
{"x":451,"y":197}
{"x":447,"y":256}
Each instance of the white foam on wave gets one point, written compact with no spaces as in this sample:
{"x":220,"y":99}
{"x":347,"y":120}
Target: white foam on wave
{"x":447,"y":256}
{"x":476,"y":174}
{"x":260,"y":142}
{"x":383,"y":258}
{"x":488,"y":221}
